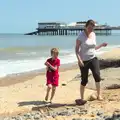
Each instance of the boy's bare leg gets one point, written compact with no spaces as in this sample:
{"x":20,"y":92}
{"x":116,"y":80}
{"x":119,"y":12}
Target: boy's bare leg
{"x":53,"y":93}
{"x":48,"y":91}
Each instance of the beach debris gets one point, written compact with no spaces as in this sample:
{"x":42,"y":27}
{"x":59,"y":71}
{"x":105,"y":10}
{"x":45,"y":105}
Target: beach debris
{"x":64,"y":84}
{"x":113,"y":86}
{"x":80,"y":102}
{"x":106,"y":63}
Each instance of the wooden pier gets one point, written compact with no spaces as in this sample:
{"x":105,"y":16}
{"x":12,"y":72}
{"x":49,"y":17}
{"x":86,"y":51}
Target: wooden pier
{"x":68,"y":31}
{"x":54,"y":29}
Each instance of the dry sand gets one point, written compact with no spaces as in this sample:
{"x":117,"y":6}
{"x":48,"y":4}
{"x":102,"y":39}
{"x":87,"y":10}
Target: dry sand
{"x":113,"y":54}
{"x":23,"y":96}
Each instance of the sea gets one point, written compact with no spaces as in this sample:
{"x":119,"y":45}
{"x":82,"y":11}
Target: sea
{"x":21,"y":53}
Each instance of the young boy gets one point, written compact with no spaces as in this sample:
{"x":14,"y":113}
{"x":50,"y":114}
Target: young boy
{"x":52,"y":73}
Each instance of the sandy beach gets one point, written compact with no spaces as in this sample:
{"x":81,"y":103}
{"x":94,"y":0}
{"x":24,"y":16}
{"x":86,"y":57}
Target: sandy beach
{"x":24,"y":93}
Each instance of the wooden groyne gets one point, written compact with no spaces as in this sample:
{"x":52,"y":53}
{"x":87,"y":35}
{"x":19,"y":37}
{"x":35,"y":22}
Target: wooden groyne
{"x":109,"y":63}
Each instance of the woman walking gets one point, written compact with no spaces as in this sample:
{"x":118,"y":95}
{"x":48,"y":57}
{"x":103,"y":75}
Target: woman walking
{"x":85,"y":52}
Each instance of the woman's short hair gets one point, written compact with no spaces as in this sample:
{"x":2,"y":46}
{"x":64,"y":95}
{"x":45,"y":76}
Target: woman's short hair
{"x":54,"y":51}
{"x":90,"y":22}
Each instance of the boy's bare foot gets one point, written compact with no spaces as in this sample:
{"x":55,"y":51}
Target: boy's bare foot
{"x":50,"y":101}
{"x":46,"y":98}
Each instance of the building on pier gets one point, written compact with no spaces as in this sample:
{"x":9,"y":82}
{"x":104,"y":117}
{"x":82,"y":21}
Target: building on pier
{"x":45,"y":25}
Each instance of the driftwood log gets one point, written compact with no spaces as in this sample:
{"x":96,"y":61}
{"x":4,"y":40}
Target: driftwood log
{"x":106,"y":63}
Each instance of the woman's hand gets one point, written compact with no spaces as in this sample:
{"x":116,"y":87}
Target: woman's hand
{"x":80,"y":63}
{"x":101,"y":45}
{"x":104,"y":44}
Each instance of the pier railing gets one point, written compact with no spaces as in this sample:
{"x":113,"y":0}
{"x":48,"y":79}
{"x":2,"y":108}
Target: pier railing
{"x":70,"y":30}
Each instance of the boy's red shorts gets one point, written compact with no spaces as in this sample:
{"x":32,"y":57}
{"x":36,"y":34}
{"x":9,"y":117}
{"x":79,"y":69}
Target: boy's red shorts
{"x":51,"y":79}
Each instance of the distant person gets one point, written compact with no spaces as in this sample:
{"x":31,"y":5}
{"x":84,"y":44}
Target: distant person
{"x":85,"y":52}
{"x":52,"y":73}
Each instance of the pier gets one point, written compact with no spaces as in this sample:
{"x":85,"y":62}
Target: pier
{"x":61,"y":29}
{"x":71,"y":31}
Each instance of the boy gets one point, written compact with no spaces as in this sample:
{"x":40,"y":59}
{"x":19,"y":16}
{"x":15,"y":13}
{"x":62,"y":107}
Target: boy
{"x":52,"y":73}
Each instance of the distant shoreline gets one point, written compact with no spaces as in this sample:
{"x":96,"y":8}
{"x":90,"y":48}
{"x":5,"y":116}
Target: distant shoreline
{"x":14,"y":78}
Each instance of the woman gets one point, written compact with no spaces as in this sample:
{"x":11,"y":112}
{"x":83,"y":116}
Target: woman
{"x":85,"y":52}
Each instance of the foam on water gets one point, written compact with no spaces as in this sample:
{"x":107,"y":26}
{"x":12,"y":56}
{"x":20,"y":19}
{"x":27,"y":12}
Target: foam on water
{"x":19,"y":66}
{"x":8,"y":67}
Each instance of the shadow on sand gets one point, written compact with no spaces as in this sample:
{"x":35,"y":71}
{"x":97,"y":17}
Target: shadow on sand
{"x":54,"y":105}
{"x":41,"y":104}
{"x":26,"y":103}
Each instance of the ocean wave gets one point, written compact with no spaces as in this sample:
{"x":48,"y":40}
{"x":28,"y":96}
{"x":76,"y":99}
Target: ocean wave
{"x":26,"y":53}
{"x":18,"y":49}
{"x":8,"y":67}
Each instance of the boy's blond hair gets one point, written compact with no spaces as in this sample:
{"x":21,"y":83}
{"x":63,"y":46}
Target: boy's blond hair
{"x":54,"y":51}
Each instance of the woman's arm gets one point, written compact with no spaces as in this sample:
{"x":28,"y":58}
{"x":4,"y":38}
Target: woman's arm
{"x":101,"y":45}
{"x":98,"y":47}
{"x":77,"y":47}
{"x":93,"y":36}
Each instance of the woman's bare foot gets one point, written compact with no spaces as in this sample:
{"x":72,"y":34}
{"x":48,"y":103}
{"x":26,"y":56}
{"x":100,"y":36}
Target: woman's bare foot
{"x":100,"y":98}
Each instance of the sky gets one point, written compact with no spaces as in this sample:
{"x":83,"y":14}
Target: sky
{"x":21,"y":16}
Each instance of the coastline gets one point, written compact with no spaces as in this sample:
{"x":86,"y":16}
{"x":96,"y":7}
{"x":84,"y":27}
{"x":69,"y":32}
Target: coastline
{"x":21,"y":93}
{"x":14,"y":78}
{"x":24,"y":76}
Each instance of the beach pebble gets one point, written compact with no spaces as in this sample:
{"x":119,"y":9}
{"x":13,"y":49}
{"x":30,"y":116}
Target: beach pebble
{"x":76,"y":111}
{"x":37,"y":117}
{"x":19,"y":118}
{"x":100,"y":113}
{"x":14,"y":118}
{"x":116,"y":116}
{"x":33,"y":113}
{"x":5,"y":118}
{"x":77,"y":119}
{"x":107,"y":117}
{"x":79,"y":111}
{"x":92,"y":97}
{"x":53,"y":114}
{"x":65,"y":113}
{"x":28,"y":115}
{"x":99,"y":119}
{"x":64,"y":83}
